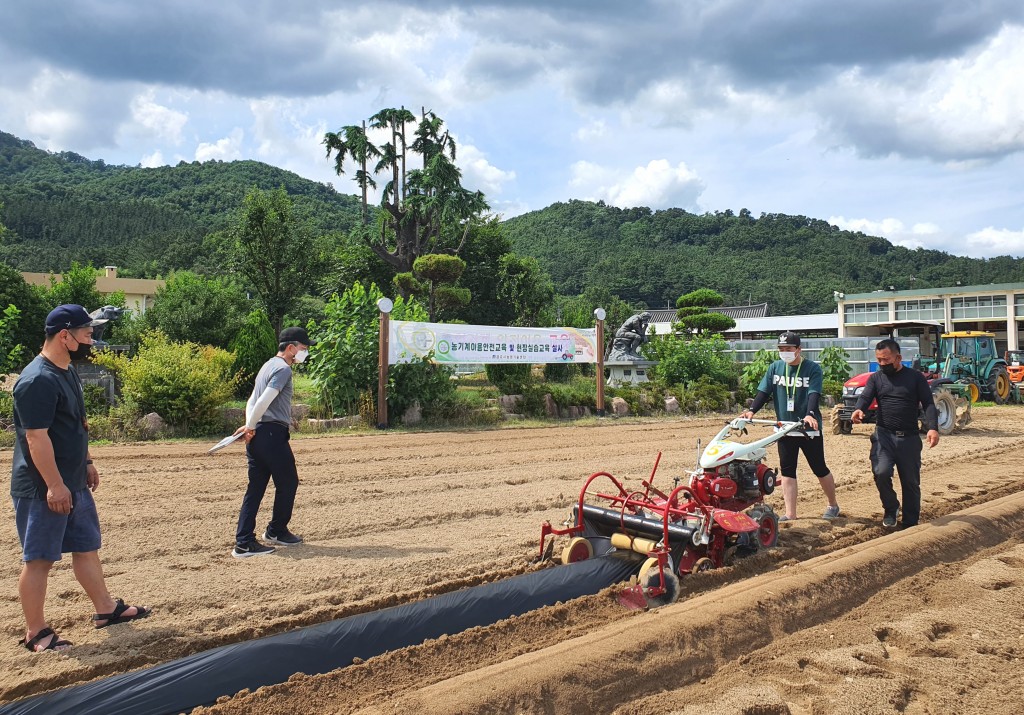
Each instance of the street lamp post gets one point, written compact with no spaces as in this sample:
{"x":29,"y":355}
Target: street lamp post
{"x":599,"y":314}
{"x":385,"y":306}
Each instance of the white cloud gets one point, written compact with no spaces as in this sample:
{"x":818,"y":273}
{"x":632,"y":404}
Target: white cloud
{"x":658,"y":185}
{"x":591,"y":131}
{"x":997,"y":242}
{"x":54,"y":123}
{"x":480,"y":174}
{"x":960,"y":109}
{"x":225,"y":149}
{"x":155,"y":159}
{"x":160,"y":121}
{"x":891,"y":228}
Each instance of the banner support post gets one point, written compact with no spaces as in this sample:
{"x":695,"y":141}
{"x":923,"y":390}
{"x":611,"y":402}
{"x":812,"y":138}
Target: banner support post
{"x":600,"y":315}
{"x":384,"y":305}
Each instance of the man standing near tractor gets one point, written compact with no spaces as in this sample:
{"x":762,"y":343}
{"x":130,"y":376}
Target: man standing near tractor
{"x":896,"y":442}
{"x":795,"y":385}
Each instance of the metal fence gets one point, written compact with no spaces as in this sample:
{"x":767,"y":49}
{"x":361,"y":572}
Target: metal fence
{"x":860,"y":350}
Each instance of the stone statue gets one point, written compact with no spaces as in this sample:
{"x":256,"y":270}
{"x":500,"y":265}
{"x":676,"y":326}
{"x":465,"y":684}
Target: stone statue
{"x":629,"y":337}
{"x":108,"y":313}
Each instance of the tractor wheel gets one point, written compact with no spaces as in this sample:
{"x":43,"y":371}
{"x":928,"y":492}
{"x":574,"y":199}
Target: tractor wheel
{"x":945,"y":407}
{"x":767,"y":536}
{"x":963,"y":413}
{"x":578,"y":549}
{"x":840,"y":426}
{"x":999,"y":385}
{"x":650,"y":578}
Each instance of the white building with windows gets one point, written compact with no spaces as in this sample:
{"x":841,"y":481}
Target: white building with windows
{"x":996,"y":308}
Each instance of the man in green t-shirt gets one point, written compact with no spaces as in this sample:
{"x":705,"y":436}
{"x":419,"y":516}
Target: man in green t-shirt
{"x":795,"y":386}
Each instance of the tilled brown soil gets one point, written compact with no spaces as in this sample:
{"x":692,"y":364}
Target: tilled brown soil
{"x":395,"y":517}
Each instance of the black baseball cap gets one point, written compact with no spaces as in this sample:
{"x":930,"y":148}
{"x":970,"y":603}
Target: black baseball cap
{"x":789,"y":339}
{"x":69,"y":317}
{"x":295,"y":335}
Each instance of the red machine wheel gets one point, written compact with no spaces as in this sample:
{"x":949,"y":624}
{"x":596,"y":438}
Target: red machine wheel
{"x":767,"y":534}
{"x":578,"y":549}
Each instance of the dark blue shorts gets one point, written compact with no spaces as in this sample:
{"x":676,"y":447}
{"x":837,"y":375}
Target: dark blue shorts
{"x":45,"y":534}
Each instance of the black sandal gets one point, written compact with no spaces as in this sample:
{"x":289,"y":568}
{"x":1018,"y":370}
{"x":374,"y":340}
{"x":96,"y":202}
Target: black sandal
{"x":115,"y":616}
{"x":56,"y":644}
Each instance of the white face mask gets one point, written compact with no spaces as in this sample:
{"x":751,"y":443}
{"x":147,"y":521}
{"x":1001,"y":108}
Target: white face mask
{"x":301,"y":356}
{"x":787,"y":356}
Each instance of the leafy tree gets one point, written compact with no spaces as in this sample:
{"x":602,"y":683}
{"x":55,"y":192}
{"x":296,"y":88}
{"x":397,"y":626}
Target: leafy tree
{"x":254,"y":344}
{"x":11,"y":353}
{"x":27,"y":330}
{"x":440,"y":271}
{"x":693,"y":314}
{"x":527,"y":289}
{"x":352,"y":260}
{"x":343,"y":363}
{"x":201,"y":310}
{"x":835,"y":365}
{"x":77,"y":286}
{"x":682,"y":361}
{"x":185,"y":383}
{"x":484,"y":247}
{"x":423,"y":210}
{"x":276,"y":251}
{"x":753,"y":371}
{"x":510,"y":378}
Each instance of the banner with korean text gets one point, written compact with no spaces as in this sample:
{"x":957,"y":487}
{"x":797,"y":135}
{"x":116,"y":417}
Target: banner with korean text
{"x":452,"y":343}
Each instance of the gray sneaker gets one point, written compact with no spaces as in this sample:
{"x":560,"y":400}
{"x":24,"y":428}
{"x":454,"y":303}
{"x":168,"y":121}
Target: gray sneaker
{"x":889,"y":522}
{"x":831,"y":513}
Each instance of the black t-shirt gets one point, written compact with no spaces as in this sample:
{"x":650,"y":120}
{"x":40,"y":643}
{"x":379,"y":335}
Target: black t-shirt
{"x":898,"y":398}
{"x":47,"y":397}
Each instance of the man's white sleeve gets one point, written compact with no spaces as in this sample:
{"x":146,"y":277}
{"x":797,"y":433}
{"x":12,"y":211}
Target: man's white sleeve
{"x":256,"y":410}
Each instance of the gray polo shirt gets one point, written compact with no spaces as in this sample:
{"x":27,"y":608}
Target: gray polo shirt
{"x":275,"y":373}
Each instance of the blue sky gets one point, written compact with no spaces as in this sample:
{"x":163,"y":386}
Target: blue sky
{"x":900,"y":119}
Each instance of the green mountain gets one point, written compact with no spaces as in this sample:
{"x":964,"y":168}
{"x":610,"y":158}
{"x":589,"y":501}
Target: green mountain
{"x":61,"y":207}
{"x":792,"y":262}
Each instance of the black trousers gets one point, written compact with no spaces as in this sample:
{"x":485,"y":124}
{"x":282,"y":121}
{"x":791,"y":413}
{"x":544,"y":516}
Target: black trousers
{"x":902,"y":451}
{"x":270,"y":456}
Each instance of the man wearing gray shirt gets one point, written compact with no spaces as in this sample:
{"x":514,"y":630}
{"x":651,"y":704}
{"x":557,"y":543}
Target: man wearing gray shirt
{"x":268,"y":416}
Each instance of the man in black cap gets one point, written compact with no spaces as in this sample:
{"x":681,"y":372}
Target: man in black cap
{"x":53,"y":477}
{"x":268,"y":416}
{"x":795,"y":385}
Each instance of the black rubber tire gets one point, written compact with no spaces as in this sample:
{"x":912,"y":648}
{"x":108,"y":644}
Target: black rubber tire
{"x":945,"y":406}
{"x":999,"y":385}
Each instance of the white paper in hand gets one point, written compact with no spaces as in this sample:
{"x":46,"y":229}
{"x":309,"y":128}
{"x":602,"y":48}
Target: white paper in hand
{"x":224,"y":443}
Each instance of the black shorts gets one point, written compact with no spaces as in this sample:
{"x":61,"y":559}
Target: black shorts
{"x":813,"y":449}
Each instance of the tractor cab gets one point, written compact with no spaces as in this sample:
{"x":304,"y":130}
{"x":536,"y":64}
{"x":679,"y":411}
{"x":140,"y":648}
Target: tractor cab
{"x":969,"y":356}
{"x":1015,"y":365}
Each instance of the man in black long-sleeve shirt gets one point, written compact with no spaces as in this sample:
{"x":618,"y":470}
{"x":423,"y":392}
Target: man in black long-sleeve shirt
{"x":901,"y":393}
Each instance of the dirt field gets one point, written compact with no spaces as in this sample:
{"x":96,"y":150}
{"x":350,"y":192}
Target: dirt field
{"x":390,"y":518}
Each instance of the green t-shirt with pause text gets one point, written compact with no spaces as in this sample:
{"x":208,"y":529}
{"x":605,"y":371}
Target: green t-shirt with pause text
{"x":783,"y":381}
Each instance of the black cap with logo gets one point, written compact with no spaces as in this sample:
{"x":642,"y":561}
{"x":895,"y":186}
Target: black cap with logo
{"x":789,"y":339}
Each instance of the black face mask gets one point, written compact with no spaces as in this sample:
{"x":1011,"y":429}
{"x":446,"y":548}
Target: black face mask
{"x":888,"y":369}
{"x":82,"y":351}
